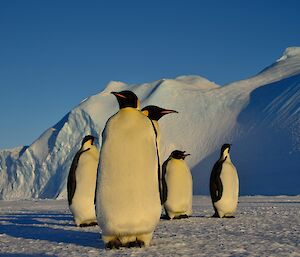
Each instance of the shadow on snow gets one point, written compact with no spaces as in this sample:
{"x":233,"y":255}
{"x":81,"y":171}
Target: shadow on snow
{"x":28,"y":226}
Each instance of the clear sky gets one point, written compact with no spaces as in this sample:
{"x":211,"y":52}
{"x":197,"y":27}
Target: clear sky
{"x":53,"y":54}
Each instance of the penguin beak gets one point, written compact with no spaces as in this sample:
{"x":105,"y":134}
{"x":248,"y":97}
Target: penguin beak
{"x":166,"y":111}
{"x":116,"y":94}
{"x":186,"y":154}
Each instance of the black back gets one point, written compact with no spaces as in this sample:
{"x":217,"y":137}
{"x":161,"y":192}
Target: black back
{"x":164,"y":191}
{"x":71,"y":185}
{"x":215,"y":185}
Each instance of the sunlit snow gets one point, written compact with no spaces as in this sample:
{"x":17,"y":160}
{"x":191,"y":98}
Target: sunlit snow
{"x":259,"y":115}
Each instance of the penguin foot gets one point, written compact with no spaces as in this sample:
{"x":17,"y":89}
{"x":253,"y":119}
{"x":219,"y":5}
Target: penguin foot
{"x":130,"y":244}
{"x":229,"y":217}
{"x":165,"y":217}
{"x":88,"y":224}
{"x":216,"y":215}
{"x":140,"y":243}
{"x":136,"y":243}
{"x":113,"y":244}
{"x":182,"y":216}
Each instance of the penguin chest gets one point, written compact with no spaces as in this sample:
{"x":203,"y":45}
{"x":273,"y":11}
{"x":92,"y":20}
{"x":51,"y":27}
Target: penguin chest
{"x":82,"y":206}
{"x":179,"y":185}
{"x":230,"y":183}
{"x":86,"y":173}
{"x":128,"y":196}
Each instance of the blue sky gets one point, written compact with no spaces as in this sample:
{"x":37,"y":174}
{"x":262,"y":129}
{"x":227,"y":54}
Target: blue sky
{"x":55,"y":53}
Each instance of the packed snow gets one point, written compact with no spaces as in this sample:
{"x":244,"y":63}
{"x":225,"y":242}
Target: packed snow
{"x":259,"y":115}
{"x":264,"y":226}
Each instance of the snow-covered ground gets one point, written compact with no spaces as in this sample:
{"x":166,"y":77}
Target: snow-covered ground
{"x":264,"y":226}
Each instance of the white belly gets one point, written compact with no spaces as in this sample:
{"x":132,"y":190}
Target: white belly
{"x":227,"y":205}
{"x":83,"y":208}
{"x":127,"y":193}
{"x":180,"y":188}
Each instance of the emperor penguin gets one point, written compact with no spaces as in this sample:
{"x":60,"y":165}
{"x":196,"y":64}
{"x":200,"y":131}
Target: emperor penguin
{"x":127,"y":199}
{"x":224,"y":185}
{"x":154,"y":113}
{"x":82,"y":182}
{"x":177,"y":186}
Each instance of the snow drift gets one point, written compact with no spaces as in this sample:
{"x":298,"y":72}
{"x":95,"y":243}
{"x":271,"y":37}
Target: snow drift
{"x":260,"y":116}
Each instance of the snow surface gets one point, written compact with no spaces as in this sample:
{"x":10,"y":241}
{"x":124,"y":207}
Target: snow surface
{"x":264,"y":226}
{"x":259,"y":115}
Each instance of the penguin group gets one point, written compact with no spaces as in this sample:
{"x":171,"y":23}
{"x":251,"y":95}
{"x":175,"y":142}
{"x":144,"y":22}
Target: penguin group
{"x":123,"y":187}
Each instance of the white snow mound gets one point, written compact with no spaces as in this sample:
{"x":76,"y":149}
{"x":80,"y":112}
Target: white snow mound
{"x":259,"y":115}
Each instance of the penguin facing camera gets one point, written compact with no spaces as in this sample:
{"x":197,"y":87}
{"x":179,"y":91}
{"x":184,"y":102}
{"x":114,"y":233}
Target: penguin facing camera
{"x":127,"y":198}
{"x":224,"y":185}
{"x":154,"y":113}
{"x":177,"y":184}
{"x":82,"y":182}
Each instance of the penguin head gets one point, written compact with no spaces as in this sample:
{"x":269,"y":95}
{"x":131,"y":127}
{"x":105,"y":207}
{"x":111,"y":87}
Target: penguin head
{"x":155,"y":113}
{"x":88,"y":140}
{"x":127,"y":98}
{"x":180,"y":155}
{"x":225,"y":149}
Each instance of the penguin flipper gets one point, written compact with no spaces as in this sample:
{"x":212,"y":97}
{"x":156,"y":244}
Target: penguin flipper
{"x":216,"y":186}
{"x":159,"y":175}
{"x":164,"y":190}
{"x":71,"y":184}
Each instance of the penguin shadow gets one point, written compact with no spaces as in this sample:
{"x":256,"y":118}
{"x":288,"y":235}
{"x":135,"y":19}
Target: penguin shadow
{"x":165,"y":217}
{"x":24,"y":255}
{"x":28,"y":227}
{"x":54,"y":235}
{"x":37,"y":219}
{"x":201,"y":216}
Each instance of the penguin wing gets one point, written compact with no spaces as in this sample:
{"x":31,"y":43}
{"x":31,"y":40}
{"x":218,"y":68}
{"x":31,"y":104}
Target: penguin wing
{"x":71,"y":185}
{"x":159,"y":175}
{"x":96,"y":187}
{"x":164,"y":190}
{"x":216,"y":186}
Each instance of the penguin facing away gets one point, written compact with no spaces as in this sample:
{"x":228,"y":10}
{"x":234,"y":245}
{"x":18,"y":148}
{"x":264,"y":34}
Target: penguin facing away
{"x":127,"y":201}
{"x":177,"y":186}
{"x":154,"y":113}
{"x":224,"y":185}
{"x":82,"y":182}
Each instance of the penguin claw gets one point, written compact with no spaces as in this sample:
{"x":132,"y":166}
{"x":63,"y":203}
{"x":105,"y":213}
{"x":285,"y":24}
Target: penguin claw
{"x":136,"y":243}
{"x":129,"y":244}
{"x":165,"y":217}
{"x":182,"y":216}
{"x":88,"y":224}
{"x":216,"y":215}
{"x":140,"y":243}
{"x":93,"y":223}
{"x":113,"y":244}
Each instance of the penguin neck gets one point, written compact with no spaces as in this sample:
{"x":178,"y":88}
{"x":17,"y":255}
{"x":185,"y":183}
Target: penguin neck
{"x":227,"y":156}
{"x":155,"y":123}
{"x":128,"y":109}
{"x":86,"y":146}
